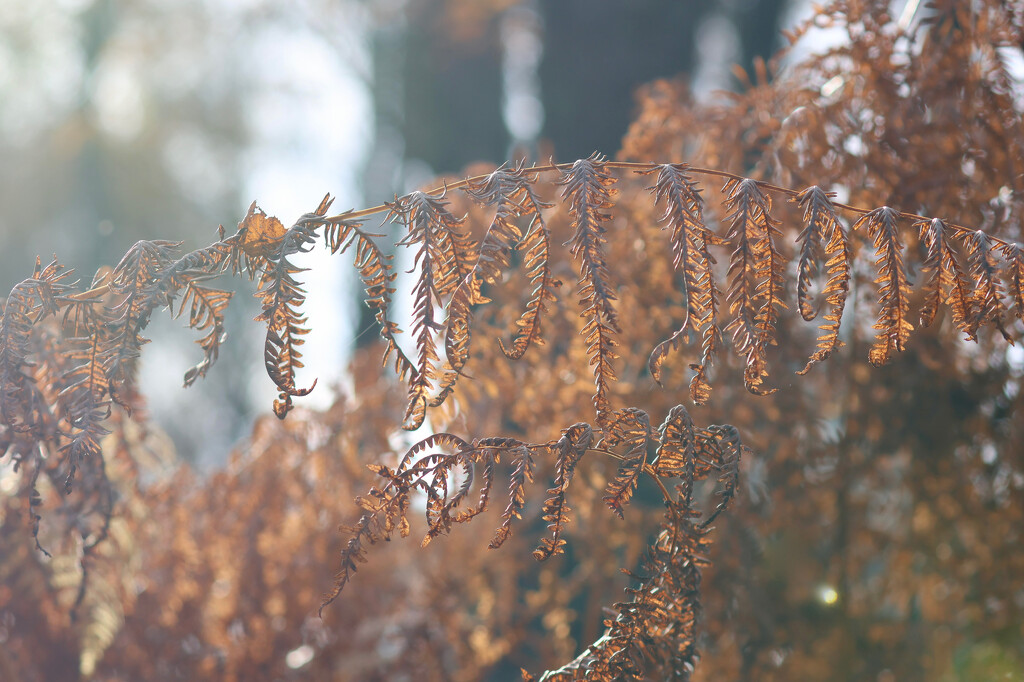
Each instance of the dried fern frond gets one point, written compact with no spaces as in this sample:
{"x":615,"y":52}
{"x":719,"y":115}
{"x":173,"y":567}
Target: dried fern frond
{"x":569,"y":450}
{"x":281,"y":296}
{"x":988,"y":293}
{"x":536,"y":249}
{"x":946,"y":282}
{"x":676,"y":438}
{"x":207,"y":307}
{"x":29,"y":303}
{"x":755,"y":278}
{"x":136,"y":281}
{"x":690,"y":238}
{"x":441,"y":260}
{"x":630,"y":427}
{"x":822,"y":224}
{"x":522,"y":473}
{"x":378,"y":276}
{"x":893,"y":324}
{"x":587,"y":189}
{"x":655,"y":632}
{"x":1014,"y":255}
{"x":511,"y":193}
{"x":84,"y":387}
{"x":725,"y":441}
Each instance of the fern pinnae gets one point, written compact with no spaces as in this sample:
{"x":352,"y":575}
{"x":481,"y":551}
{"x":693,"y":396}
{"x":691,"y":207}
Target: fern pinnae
{"x":821,"y":223}
{"x":522,"y":473}
{"x":631,"y":427}
{"x":29,"y":302}
{"x":893,"y":324}
{"x":676,"y":437}
{"x":135,"y":280}
{"x":432,"y":441}
{"x":511,"y":193}
{"x":569,"y":450}
{"x":988,"y":292}
{"x":536,"y":246}
{"x":946,"y":282}
{"x":587,"y":189}
{"x":430,"y":226}
{"x":282,"y":296}
{"x":84,"y":388}
{"x":726,"y":441}
{"x":755,"y":274}
{"x":207,"y":307}
{"x":499,"y":190}
{"x":1014,"y":256}
{"x":377,"y":275}
{"x":711,"y":334}
{"x":684,"y":215}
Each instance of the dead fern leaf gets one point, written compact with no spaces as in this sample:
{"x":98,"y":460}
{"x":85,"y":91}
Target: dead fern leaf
{"x":511,"y":193}
{"x":522,"y":473}
{"x":821,"y":224}
{"x":441,"y":254}
{"x":676,"y":437}
{"x":690,"y":238}
{"x":378,"y":276}
{"x":632,"y":428}
{"x":1014,"y":255}
{"x":282,"y":296}
{"x":893,"y":285}
{"x":755,"y":278}
{"x":988,"y":292}
{"x":136,"y":281}
{"x":946,"y":282}
{"x":260,"y":235}
{"x":570,"y":448}
{"x":587,"y":189}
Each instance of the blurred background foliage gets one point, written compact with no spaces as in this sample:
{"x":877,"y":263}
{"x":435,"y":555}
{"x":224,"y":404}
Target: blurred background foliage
{"x":879,"y":537}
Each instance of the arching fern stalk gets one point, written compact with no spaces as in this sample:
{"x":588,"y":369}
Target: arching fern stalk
{"x":68,"y":357}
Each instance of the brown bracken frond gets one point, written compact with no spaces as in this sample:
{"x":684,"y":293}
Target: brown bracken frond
{"x":893,"y":285}
{"x":536,"y":250}
{"x":988,"y":293}
{"x":84,"y":387}
{"x":946,"y":282}
{"x":587,"y":188}
{"x":630,"y":427}
{"x":570,"y":448}
{"x":656,"y":630}
{"x":282,"y":295}
{"x":511,"y":193}
{"x":377,"y":275}
{"x":522,"y":473}
{"x":1014,"y":255}
{"x":755,"y":278}
{"x":655,"y":633}
{"x":676,"y":438}
{"x":442,"y":260}
{"x":690,"y":238}
{"x":724,"y":441}
{"x":207,"y":307}
{"x":136,"y":281}
{"x":821,"y":223}
{"x":22,"y":408}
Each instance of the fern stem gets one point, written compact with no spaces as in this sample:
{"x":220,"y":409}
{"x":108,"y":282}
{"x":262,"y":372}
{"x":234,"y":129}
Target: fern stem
{"x":636,"y":166}
{"x":641,"y":167}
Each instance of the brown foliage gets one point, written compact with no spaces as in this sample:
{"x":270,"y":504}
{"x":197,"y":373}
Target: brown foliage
{"x":914,"y":469}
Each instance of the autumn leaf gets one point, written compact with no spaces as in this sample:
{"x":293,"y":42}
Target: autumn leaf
{"x":259,"y":233}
